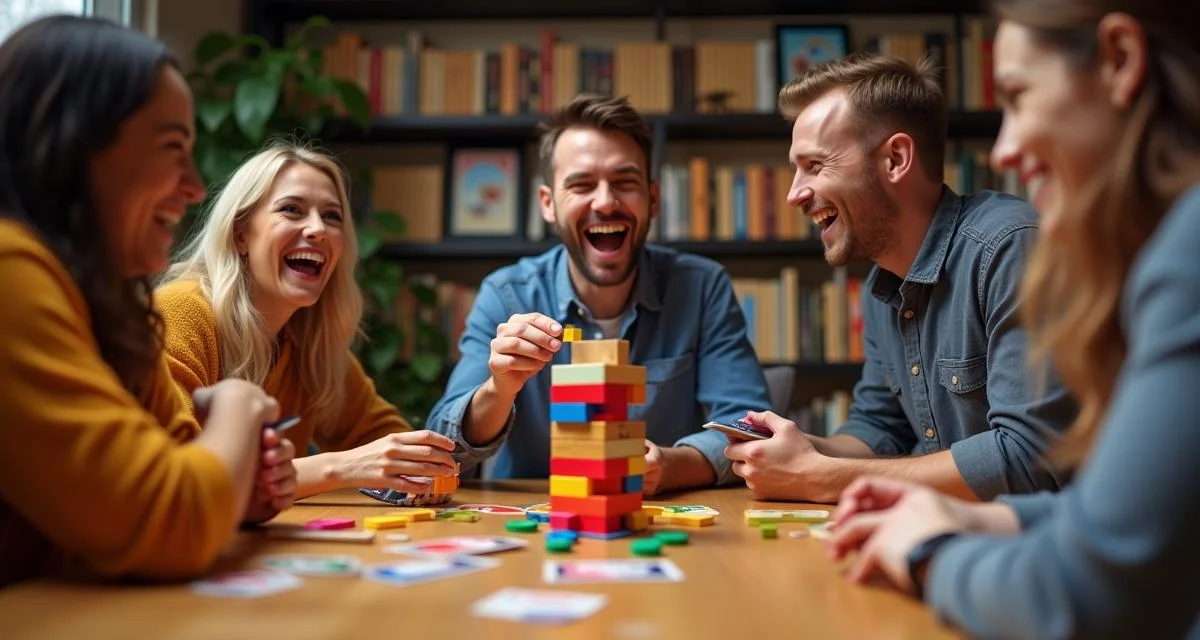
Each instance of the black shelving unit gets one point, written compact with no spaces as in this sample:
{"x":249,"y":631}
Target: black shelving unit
{"x":466,"y":249}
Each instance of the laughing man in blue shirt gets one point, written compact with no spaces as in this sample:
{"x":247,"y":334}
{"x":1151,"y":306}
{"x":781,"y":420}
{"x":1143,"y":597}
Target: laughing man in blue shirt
{"x":677,"y":311}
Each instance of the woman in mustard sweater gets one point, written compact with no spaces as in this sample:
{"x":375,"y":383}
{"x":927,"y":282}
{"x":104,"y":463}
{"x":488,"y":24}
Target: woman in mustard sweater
{"x":265,"y":291}
{"x":95,"y":171}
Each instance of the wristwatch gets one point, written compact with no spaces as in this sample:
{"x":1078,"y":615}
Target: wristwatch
{"x":921,"y":555}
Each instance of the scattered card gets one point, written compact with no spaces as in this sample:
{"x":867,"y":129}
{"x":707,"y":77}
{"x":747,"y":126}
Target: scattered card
{"x":329,"y":566}
{"x":611,"y":570}
{"x":457,"y":546}
{"x":246,"y":584}
{"x":493,"y":509}
{"x":540,"y":606}
{"x":409,"y":572}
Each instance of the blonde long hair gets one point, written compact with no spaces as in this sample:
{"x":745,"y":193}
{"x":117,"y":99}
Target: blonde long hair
{"x":322,"y":333}
{"x":1073,"y":285}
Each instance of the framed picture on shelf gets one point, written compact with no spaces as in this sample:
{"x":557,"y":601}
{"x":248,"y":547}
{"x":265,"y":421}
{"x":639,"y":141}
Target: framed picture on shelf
{"x":801,"y":47}
{"x":484,"y":192}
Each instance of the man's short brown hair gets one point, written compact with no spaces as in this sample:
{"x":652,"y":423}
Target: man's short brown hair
{"x":887,"y":95}
{"x":603,"y":113}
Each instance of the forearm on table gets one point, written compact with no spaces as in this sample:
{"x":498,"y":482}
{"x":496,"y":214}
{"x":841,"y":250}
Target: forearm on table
{"x":688,"y":468}
{"x":486,"y":415}
{"x":317,"y":474}
{"x":842,"y":446}
{"x":236,"y":443}
{"x":935,"y":470}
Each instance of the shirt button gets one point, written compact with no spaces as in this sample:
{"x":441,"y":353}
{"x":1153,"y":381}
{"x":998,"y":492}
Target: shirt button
{"x":916,"y":371}
{"x":929,"y":432}
{"x":908,"y":314}
{"x":953,"y":379}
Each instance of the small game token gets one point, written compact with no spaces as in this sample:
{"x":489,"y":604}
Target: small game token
{"x":329,"y":524}
{"x":558,"y":545}
{"x":564,"y":534}
{"x":672,"y":537}
{"x":646,"y":547}
{"x":768,"y":531}
{"x":465,"y":516}
{"x":521,"y":526}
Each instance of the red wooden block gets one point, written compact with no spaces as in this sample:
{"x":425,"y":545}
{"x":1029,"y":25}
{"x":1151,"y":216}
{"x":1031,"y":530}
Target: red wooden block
{"x":563,"y":520}
{"x":594,"y":469}
{"x":604,"y":506}
{"x":600,"y":524}
{"x":615,"y":411}
{"x":609,"y":394}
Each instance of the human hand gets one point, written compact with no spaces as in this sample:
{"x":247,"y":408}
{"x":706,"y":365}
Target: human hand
{"x":521,"y":348}
{"x":874,"y":493}
{"x":262,"y":407}
{"x":786,"y":466}
{"x":884,"y":538}
{"x":652,"y":476}
{"x":382,"y":464}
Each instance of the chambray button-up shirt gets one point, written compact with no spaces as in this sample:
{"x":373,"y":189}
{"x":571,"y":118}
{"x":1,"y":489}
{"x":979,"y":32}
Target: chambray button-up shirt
{"x":684,"y":325}
{"x":946,"y":356}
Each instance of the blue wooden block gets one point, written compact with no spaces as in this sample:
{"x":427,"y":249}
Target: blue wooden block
{"x":565,"y":534}
{"x":633,"y":484}
{"x":538,"y":516}
{"x":569,"y":412}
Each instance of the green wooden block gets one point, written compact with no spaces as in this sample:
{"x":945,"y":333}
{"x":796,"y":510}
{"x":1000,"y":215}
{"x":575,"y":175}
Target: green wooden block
{"x":768,"y":531}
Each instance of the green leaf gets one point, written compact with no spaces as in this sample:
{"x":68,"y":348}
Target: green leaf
{"x":298,"y":39}
{"x":369,"y":242}
{"x":390,"y":222}
{"x":319,"y":87}
{"x":383,"y":352}
{"x":231,"y":72}
{"x":424,"y":294}
{"x":355,"y":102}
{"x":381,"y":292}
{"x":311,"y":65}
{"x":212,"y":112}
{"x":213,"y":46}
{"x":253,"y":103}
{"x":427,"y":367}
{"x":275,"y":64}
{"x":253,"y":40}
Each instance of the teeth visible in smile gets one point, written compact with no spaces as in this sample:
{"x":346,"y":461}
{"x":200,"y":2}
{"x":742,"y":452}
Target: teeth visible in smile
{"x":306,"y":255}
{"x":607,"y":228}
{"x":822,"y":216}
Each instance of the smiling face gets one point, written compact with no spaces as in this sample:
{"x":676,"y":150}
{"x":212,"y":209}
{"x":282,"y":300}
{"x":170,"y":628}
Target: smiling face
{"x":1060,"y":128}
{"x":601,"y":204}
{"x":839,"y":183}
{"x":292,"y":241}
{"x":143,"y":182}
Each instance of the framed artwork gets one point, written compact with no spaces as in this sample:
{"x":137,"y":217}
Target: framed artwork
{"x":801,"y":47}
{"x":484,"y":185}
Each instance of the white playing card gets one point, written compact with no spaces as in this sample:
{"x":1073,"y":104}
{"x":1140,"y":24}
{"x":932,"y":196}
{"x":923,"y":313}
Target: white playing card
{"x":610,"y":570}
{"x":416,"y":571}
{"x":457,"y":546}
{"x":246,"y":584}
{"x":541,"y":606}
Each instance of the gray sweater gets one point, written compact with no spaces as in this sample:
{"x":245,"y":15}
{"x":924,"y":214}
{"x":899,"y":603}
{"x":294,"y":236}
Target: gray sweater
{"x":1117,"y":554}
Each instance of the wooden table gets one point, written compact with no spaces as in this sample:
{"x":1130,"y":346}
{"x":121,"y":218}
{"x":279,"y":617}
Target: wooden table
{"x":736,"y":585}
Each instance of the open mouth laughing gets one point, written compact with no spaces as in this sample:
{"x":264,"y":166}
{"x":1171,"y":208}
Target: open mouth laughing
{"x":607,"y":237}
{"x":306,"y":263}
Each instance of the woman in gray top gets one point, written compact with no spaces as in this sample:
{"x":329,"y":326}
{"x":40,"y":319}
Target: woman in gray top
{"x":1102,"y":109}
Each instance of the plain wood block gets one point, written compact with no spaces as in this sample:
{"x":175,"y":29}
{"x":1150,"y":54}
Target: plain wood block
{"x":684,"y":519}
{"x":598,"y":430}
{"x":595,"y":469}
{"x":600,"y":351}
{"x":606,"y":393}
{"x":606,"y":506}
{"x":597,"y":449}
{"x":597,"y":374}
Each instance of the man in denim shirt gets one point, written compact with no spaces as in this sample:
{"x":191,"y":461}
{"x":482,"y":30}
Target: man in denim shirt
{"x":678,"y":311}
{"x":946,"y":398}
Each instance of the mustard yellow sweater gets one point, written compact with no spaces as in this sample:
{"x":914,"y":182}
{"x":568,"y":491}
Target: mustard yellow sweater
{"x":194,"y":357}
{"x":89,"y":474}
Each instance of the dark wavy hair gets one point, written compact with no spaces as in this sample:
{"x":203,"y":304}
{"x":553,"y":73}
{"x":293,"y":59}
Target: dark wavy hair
{"x":68,"y":83}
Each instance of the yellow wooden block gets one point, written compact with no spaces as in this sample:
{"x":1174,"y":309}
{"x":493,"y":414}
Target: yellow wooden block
{"x":653,"y":510}
{"x":684,"y":519}
{"x":597,"y":449}
{"x":385,"y":522}
{"x":572,"y":334}
{"x":594,"y":373}
{"x":637,"y":521}
{"x":637,"y":464}
{"x":570,"y":486}
{"x":414,"y":514}
{"x":600,"y":351}
{"x":598,"y":430}
{"x":637,"y":394}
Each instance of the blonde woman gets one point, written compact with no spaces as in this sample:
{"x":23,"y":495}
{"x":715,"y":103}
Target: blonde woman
{"x":265,"y":291}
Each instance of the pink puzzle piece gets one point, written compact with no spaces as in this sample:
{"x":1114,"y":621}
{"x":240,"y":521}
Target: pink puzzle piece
{"x":329,"y":524}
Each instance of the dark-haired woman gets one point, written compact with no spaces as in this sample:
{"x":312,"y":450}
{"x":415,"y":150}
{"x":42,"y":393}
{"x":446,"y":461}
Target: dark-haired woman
{"x":102,"y":469}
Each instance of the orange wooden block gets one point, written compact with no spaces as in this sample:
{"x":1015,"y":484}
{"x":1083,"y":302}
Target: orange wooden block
{"x":637,"y":394}
{"x":598,"y":430}
{"x":606,"y":506}
{"x":444,"y":484}
{"x":603,"y":351}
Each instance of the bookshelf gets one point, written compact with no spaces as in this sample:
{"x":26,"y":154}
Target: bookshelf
{"x":680,"y":134}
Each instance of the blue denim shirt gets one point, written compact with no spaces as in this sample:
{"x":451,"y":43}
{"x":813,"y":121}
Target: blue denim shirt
{"x":684,"y":325}
{"x":946,"y":356}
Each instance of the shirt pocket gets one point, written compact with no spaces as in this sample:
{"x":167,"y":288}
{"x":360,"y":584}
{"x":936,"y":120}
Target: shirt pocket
{"x":963,"y":376}
{"x":890,"y":380}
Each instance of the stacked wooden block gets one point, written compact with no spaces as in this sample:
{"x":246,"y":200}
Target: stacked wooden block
{"x":597,"y":455}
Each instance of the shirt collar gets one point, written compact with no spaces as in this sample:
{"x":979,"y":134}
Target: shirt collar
{"x":927,"y":267}
{"x":646,"y":293}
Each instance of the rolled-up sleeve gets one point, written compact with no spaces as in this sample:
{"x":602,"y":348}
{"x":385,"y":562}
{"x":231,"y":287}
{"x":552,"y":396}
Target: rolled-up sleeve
{"x":730,"y":379}
{"x":1026,"y":412}
{"x":1032,"y":508}
{"x":469,"y":374}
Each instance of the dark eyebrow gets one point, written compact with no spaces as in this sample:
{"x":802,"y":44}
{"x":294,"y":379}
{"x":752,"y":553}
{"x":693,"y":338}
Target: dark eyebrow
{"x":175,"y":127}
{"x":627,"y":170}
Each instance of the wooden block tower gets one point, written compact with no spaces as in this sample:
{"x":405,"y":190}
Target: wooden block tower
{"x":597,"y":455}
